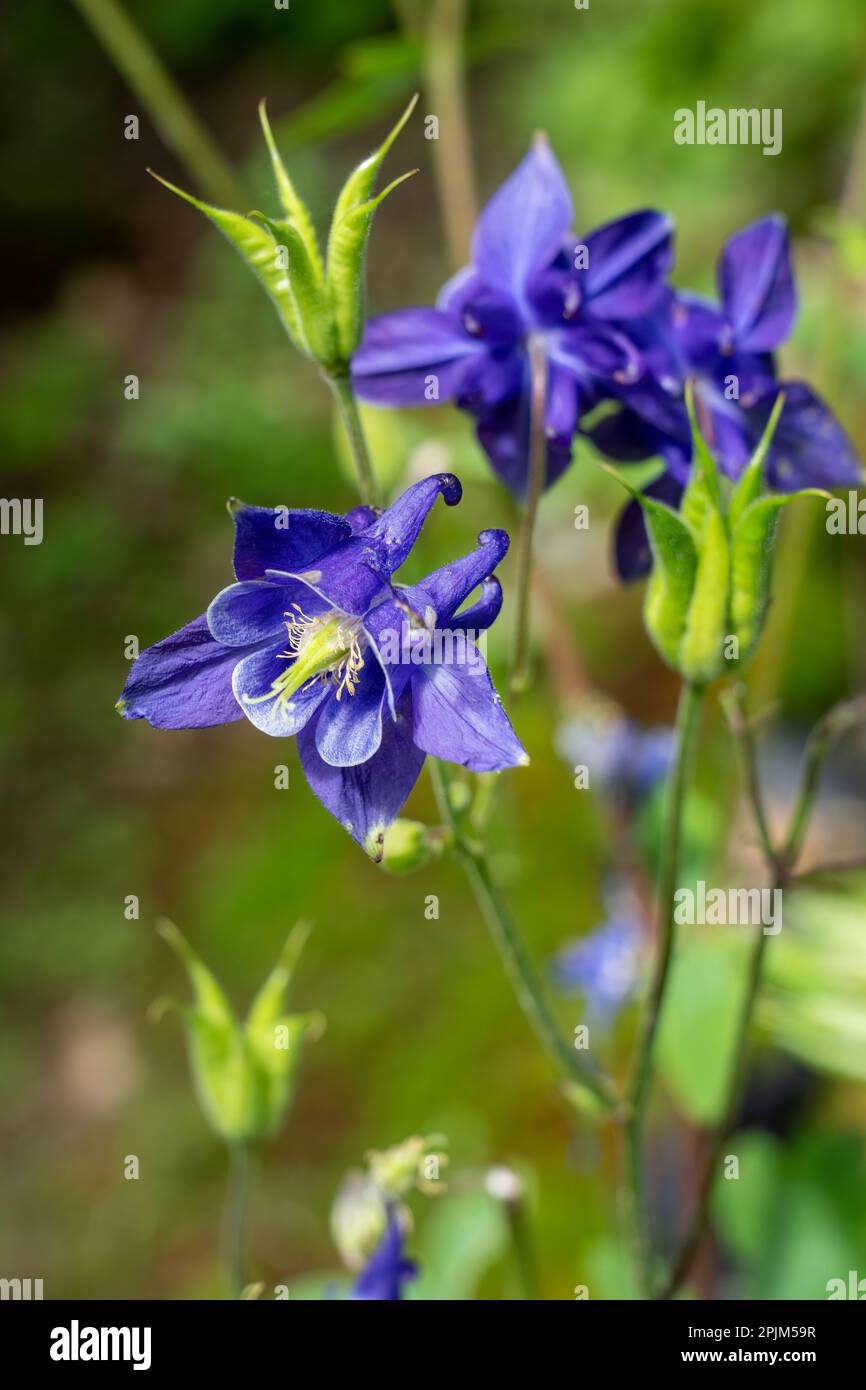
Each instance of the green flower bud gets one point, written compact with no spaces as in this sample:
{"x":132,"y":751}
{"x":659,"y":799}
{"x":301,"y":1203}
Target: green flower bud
{"x":321,"y":306}
{"x":243,"y":1073}
{"x":409,"y":845}
{"x":709,"y":591}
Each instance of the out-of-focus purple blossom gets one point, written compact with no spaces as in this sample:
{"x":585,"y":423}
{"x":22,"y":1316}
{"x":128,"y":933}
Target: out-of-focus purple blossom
{"x":604,"y":966}
{"x":624,"y":761}
{"x":727,"y":349}
{"x":387,"y":1270}
{"x":530,"y":279}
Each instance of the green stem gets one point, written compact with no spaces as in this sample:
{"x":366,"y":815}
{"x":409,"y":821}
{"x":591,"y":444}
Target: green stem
{"x":234,"y":1218}
{"x":349,"y":414}
{"x":452,"y":159}
{"x":834,"y":725}
{"x":515,"y":958}
{"x":167,"y":107}
{"x":688,"y":721}
{"x":534,"y":486}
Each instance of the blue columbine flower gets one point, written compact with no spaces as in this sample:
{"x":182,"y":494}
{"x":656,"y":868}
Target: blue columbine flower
{"x":529,"y":277}
{"x":727,"y":349}
{"x":625,"y":760}
{"x":315,"y":641}
{"x":605,"y":965}
{"x":388,"y":1269}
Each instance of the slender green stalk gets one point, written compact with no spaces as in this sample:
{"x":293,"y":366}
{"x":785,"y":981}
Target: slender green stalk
{"x":234,"y":1218}
{"x":167,"y":107}
{"x":833,"y":726}
{"x":696,"y":1230}
{"x":688,"y":721}
{"x":515,"y":958}
{"x":349,"y":414}
{"x":535,"y":483}
{"x":452,"y":159}
{"x":781,"y":862}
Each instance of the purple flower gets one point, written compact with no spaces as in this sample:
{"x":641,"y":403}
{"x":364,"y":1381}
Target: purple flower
{"x":727,"y":348}
{"x":387,"y":1270}
{"x":604,"y":966}
{"x":529,"y":278}
{"x":315,"y":641}
{"x":624,"y":760}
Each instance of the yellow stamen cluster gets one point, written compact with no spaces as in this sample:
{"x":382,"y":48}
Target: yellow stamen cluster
{"x":326,"y":648}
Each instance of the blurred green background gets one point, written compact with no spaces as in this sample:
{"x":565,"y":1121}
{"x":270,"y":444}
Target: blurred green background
{"x":105,"y":275}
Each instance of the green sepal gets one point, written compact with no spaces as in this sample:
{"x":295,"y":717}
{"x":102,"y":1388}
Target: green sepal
{"x":347,"y":240}
{"x":316,"y":328}
{"x":701,"y":648}
{"x":671,"y":582}
{"x":255,"y":244}
{"x":704,"y":490}
{"x":752,"y":544}
{"x":751,"y":482}
{"x":293,"y":205}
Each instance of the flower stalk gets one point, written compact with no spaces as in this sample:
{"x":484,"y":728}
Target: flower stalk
{"x":535,"y":485}
{"x":687,"y":726}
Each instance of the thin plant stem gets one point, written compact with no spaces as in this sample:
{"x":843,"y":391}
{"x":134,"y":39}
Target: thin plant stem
{"x":829,"y":729}
{"x":513,"y":954}
{"x":178,"y":125}
{"x":688,"y":722}
{"x":781,"y":862}
{"x":350,"y":415}
{"x":234,"y":1218}
{"x":535,"y":483}
{"x":452,"y":157}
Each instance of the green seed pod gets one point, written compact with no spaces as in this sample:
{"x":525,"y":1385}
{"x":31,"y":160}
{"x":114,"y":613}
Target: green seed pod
{"x":243,"y":1073}
{"x":712,"y":561}
{"x":409,"y":845}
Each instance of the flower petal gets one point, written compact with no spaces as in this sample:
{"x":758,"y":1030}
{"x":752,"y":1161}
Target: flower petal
{"x":252,"y":682}
{"x":503,"y":433}
{"x":183,"y":682}
{"x":349,"y":730}
{"x":447,"y":588}
{"x":458,"y":716}
{"x":522,"y":227}
{"x":810,"y":448}
{"x":484,"y":612}
{"x":627,"y":264}
{"x":367,"y":798}
{"x":356,"y":575}
{"x":756,"y":285}
{"x":254,"y":610}
{"x":401,"y":351}
{"x":280,"y":538}
{"x":393,"y":534}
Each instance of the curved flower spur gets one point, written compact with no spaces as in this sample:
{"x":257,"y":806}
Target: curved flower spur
{"x":314,"y":640}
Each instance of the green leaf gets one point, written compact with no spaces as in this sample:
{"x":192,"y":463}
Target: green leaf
{"x":699,"y":1025}
{"x":752,"y":544}
{"x":347,"y":240}
{"x":750,"y":485}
